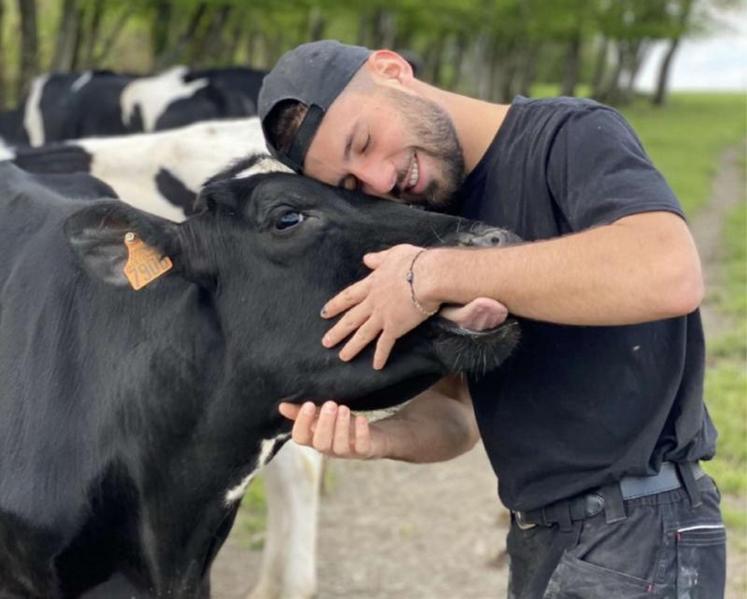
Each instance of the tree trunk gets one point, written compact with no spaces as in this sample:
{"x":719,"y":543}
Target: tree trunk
{"x":93,"y":33}
{"x":176,"y":52}
{"x":210,"y":43}
{"x":526,"y":74}
{"x":160,"y":27}
{"x":571,"y":66}
{"x":111,"y":37}
{"x":317,"y":24}
{"x":28,"y":66}
{"x":67,"y":30}
{"x":662,"y":83}
{"x":3,"y":95}
{"x":600,"y":69}
{"x":460,"y":49}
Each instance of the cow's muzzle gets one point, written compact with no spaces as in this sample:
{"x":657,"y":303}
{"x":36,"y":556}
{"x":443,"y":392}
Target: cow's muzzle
{"x":476,"y":352}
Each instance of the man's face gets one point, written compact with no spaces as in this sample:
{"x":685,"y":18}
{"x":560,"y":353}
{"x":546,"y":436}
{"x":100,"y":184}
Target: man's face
{"x":388,"y":143}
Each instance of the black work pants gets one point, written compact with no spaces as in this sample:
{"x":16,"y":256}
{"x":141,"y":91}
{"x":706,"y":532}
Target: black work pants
{"x":664,"y":548}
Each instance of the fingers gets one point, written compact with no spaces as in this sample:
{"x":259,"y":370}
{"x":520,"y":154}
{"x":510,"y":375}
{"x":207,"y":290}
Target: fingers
{"x":346,"y":299}
{"x":304,"y":425}
{"x":349,"y":322}
{"x":367,"y":332}
{"x":374,"y":259}
{"x":383,"y":348}
{"x":331,"y":429}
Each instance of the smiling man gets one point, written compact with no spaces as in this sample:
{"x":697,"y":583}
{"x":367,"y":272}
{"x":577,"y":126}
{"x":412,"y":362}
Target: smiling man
{"x":595,"y":425}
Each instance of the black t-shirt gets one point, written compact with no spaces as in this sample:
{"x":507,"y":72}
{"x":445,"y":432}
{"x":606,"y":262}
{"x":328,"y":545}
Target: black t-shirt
{"x":576,"y":407}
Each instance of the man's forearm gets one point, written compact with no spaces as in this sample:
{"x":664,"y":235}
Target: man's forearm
{"x":644,"y":267}
{"x":433,"y":427}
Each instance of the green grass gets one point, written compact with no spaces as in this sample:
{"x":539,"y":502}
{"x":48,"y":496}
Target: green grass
{"x":726,"y":379}
{"x":685,"y":140}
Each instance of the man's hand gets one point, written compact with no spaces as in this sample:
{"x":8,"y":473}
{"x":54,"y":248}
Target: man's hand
{"x":334,"y":431}
{"x":378,"y":306}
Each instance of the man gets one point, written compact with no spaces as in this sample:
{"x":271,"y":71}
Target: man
{"x":595,"y":425}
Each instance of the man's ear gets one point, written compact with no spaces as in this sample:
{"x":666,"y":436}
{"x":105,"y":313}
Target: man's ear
{"x":97,"y":236}
{"x":389,"y":65}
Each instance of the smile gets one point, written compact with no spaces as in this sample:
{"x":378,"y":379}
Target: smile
{"x":413,"y":173}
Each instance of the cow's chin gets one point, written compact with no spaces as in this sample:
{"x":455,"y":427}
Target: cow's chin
{"x":473,"y":352}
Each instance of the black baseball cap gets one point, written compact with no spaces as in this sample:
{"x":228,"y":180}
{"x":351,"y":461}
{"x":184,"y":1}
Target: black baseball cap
{"x":314,"y":74}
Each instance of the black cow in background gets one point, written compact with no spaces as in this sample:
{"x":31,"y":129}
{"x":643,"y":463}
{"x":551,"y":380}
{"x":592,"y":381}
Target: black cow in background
{"x":63,"y":106}
{"x":133,"y":420}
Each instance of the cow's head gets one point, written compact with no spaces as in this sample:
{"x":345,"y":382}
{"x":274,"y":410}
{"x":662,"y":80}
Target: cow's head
{"x":269,"y":250}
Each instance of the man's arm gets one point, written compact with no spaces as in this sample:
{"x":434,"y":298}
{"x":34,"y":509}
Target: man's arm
{"x":640,"y":268}
{"x":437,"y":425}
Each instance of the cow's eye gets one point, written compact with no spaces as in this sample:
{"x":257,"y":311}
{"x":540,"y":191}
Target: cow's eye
{"x":288,"y":220}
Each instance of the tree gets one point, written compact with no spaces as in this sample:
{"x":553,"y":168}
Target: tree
{"x":28,"y":66}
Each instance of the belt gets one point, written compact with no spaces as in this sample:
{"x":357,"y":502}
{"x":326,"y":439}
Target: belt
{"x":670,"y":477}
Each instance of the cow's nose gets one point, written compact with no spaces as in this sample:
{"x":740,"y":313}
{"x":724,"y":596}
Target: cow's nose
{"x":479,"y":235}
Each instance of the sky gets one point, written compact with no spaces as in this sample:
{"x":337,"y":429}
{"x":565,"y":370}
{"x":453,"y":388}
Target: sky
{"x":717,"y":62}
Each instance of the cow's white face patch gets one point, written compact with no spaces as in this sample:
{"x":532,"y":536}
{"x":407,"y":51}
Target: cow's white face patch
{"x":154,"y":94}
{"x":266,"y":449}
{"x":6,"y":152}
{"x":81,"y":81}
{"x":265,"y":165}
{"x":32,"y":117}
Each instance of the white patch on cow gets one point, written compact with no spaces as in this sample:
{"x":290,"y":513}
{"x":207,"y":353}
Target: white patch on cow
{"x":81,"y":81}
{"x":265,"y":451}
{"x":130,"y":163}
{"x":32,"y":117}
{"x":6,"y":151}
{"x":264,"y":165}
{"x":154,"y":94}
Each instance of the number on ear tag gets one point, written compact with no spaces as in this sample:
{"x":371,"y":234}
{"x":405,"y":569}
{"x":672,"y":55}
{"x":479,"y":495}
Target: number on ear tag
{"x":144,"y":263}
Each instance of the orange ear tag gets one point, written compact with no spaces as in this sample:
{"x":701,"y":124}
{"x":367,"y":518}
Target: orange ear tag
{"x":144,"y":263}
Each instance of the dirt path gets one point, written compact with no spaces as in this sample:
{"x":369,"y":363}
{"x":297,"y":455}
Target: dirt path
{"x":397,"y":531}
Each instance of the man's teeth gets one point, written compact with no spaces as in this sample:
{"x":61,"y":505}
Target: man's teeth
{"x":414,"y":173}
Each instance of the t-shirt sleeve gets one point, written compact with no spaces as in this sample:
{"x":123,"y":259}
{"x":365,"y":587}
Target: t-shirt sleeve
{"x":599,"y":172}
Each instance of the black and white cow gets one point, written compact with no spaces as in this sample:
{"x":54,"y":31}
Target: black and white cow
{"x":132,"y":421}
{"x":161,"y":173}
{"x":63,"y":106}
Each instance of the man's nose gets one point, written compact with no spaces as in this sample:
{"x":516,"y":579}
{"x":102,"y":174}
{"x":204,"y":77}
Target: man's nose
{"x":376,"y":177}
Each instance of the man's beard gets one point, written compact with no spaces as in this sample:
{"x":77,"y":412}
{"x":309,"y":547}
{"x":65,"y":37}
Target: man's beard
{"x":435,"y":136}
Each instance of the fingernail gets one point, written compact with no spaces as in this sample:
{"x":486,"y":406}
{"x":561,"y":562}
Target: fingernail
{"x":329,"y":407}
{"x":323,"y":313}
{"x":308,"y":408}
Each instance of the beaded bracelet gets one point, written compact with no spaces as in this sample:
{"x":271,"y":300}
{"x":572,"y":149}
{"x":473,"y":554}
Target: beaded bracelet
{"x":411,"y":281}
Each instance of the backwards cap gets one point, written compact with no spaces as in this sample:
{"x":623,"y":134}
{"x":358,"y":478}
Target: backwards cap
{"x":314,"y":74}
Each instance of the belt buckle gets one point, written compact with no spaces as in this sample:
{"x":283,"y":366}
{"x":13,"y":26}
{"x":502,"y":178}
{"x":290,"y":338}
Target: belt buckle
{"x":519,"y":519}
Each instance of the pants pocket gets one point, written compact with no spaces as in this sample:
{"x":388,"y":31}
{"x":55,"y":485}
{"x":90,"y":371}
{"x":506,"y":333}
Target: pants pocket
{"x":577,"y":579}
{"x":701,"y":559}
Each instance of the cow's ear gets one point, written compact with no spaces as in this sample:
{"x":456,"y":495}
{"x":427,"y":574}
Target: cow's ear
{"x":97,"y":236}
{"x":216,"y":195}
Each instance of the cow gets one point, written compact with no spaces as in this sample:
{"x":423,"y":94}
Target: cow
{"x":133,"y":420}
{"x":63,"y":106}
{"x":161,"y":173}
{"x":158,"y":172}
